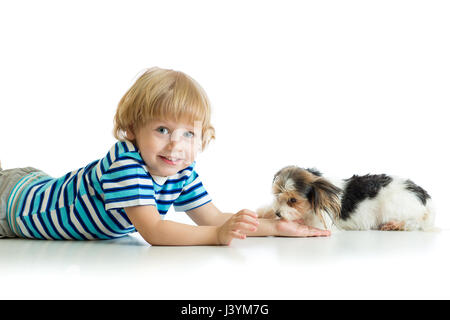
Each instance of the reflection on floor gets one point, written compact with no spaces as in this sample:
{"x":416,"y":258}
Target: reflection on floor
{"x":353,"y":264}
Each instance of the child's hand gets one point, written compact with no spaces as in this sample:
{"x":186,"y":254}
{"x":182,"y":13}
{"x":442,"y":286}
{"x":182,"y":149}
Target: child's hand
{"x":296,"y":228}
{"x":235,"y":227}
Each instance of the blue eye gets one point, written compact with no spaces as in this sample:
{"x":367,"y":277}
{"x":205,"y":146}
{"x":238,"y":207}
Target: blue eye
{"x":188,"y":134}
{"x":163,"y":130}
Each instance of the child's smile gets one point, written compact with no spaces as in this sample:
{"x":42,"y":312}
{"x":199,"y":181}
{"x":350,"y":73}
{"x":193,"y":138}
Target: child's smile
{"x":170,"y":161}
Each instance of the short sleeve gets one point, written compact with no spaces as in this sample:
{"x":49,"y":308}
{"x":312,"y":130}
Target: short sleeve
{"x":193,"y":195}
{"x":126,"y":184}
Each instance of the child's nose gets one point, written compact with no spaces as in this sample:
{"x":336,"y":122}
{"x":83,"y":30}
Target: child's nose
{"x":175,"y":145}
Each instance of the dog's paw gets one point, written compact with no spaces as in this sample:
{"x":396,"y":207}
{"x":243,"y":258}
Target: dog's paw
{"x":393,"y":226}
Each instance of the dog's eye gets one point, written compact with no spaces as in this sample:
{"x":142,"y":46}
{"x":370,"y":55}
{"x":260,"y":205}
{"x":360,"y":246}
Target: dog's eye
{"x":292,"y":200}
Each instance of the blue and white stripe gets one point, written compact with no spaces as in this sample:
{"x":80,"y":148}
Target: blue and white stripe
{"x":88,"y":203}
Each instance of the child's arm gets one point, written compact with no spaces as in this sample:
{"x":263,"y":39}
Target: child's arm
{"x":209,"y":215}
{"x":163,"y":232}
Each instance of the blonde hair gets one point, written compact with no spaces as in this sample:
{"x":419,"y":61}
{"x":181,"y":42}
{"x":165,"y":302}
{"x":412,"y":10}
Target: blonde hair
{"x":161,"y":94}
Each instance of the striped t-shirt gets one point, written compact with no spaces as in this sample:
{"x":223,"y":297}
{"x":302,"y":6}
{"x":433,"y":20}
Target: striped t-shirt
{"x":89,"y":203}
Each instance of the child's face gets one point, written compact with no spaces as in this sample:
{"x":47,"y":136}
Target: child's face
{"x":168,"y":146}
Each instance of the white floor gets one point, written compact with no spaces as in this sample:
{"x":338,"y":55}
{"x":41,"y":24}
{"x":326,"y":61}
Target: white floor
{"x":357,"y":265}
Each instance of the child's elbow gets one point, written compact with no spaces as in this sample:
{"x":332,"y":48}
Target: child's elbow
{"x":153,"y":236}
{"x":149,"y":238}
{"x":153,"y":241}
{"x":147,"y":222}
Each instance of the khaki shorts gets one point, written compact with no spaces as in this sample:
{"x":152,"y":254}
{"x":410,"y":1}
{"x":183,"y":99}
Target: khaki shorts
{"x":8,"y":179}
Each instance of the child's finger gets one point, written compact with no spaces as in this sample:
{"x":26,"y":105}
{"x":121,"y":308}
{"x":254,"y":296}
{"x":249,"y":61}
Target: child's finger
{"x":249,"y":220}
{"x":321,"y":232}
{"x":242,"y":226}
{"x":238,"y":235}
{"x":248,"y":213}
{"x":311,"y":231}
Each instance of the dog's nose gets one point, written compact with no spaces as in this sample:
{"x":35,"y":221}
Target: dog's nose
{"x":278,"y":214}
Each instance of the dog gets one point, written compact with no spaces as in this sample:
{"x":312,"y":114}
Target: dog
{"x":368,"y":202}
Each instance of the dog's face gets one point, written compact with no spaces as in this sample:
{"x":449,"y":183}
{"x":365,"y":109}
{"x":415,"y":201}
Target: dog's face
{"x":291,"y":190}
{"x":300,"y":193}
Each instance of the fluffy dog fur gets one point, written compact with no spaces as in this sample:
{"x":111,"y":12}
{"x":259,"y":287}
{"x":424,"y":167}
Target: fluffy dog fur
{"x":378,"y":202}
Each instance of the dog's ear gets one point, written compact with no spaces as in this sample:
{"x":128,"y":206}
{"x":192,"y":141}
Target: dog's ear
{"x":324,"y":195}
{"x":314,"y":171}
{"x":282,"y":170}
{"x":276,"y":175}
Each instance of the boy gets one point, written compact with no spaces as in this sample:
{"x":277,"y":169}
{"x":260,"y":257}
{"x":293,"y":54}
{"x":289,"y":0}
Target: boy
{"x":162,"y":122}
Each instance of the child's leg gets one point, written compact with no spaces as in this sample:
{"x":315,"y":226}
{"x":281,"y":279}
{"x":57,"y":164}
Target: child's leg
{"x":8,"y":180}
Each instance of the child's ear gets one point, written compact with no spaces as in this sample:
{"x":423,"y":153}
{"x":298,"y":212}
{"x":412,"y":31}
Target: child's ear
{"x":129,"y":134}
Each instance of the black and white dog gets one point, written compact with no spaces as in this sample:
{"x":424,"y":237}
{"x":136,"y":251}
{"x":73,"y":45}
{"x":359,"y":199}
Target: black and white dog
{"x":378,"y":202}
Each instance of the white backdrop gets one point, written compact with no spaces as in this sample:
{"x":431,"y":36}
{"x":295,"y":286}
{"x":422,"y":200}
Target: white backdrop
{"x":344,"y":86}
